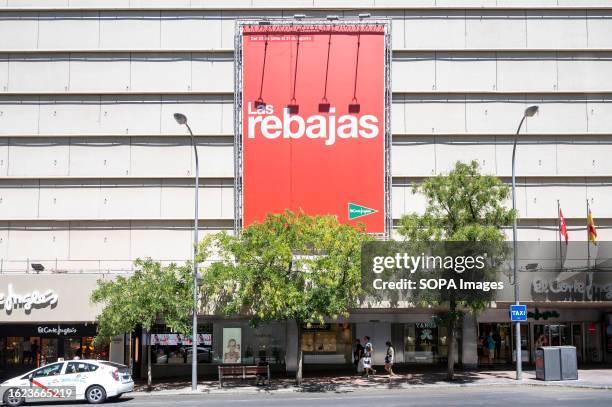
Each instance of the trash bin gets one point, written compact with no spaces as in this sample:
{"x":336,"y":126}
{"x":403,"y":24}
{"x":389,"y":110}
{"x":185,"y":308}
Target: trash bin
{"x":548,"y":363}
{"x":569,"y":363}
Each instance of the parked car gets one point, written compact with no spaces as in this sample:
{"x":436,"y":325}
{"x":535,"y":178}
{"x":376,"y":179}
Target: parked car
{"x":91,"y":380}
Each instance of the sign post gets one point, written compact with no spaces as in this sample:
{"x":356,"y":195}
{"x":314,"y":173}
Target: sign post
{"x":518,"y":313}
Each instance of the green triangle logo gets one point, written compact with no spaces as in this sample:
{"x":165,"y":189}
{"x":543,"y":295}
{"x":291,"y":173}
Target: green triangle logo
{"x":357,"y":211}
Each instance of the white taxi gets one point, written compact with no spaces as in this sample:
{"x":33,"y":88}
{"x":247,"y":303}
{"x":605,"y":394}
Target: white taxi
{"x":91,"y":380}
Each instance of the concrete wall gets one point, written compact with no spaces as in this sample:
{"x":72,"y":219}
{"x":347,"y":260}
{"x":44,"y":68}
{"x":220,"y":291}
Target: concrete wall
{"x":94,"y":172}
{"x":70,"y":304}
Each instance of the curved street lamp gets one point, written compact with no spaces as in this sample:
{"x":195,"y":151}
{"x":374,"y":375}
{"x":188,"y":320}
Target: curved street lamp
{"x":182,"y":120}
{"x":529,"y":112}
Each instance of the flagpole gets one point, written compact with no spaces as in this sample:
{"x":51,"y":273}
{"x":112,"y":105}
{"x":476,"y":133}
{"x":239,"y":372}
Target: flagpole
{"x":559,"y":233}
{"x":588,"y":238}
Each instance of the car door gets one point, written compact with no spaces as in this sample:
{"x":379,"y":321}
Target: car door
{"x":45,"y":377}
{"x":80,"y":375}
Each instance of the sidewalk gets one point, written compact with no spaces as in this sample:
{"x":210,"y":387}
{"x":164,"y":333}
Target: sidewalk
{"x":590,"y":378}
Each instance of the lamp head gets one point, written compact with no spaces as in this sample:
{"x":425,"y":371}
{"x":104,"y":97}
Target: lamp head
{"x":531,"y":110}
{"x":180,"y":118}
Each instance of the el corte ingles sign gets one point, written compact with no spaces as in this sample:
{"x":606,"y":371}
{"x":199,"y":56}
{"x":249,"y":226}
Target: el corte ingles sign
{"x":13,"y":300}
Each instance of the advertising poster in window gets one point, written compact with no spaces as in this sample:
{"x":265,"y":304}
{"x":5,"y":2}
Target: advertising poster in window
{"x":313,"y":121}
{"x":232,"y":345}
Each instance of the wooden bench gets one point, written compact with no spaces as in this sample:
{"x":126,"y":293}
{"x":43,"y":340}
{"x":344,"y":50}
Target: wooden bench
{"x":244,"y":372}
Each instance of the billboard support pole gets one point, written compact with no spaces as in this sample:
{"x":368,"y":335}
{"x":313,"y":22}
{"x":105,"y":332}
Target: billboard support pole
{"x":388,"y":136}
{"x":237,"y":128}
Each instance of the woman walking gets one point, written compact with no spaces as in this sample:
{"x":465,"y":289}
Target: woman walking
{"x":389,"y":358}
{"x":368,"y":355}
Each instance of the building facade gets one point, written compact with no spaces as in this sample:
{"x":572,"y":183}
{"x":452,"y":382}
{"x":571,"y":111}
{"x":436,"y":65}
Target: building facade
{"x":95,"y":172}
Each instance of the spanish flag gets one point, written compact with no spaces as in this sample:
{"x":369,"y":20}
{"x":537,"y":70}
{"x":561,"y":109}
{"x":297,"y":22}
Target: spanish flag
{"x":591,"y":230}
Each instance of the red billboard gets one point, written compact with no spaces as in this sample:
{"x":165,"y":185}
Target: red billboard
{"x":313,"y":124}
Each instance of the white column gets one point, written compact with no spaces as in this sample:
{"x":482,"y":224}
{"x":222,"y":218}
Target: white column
{"x":469,"y":345}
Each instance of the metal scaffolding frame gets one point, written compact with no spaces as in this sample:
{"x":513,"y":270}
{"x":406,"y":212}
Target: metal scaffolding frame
{"x":238,"y":119}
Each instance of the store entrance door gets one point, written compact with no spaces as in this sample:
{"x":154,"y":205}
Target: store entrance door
{"x":49,"y":349}
{"x":593,"y":343}
{"x":577,"y":340}
{"x":494,"y":344}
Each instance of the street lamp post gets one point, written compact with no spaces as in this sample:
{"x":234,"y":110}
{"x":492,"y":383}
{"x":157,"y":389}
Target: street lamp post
{"x":529,"y":112}
{"x":182,"y":119}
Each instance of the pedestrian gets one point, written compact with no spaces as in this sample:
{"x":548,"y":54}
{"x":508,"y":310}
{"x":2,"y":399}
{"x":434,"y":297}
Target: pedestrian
{"x":490,"y":343}
{"x":389,"y":358}
{"x":358,"y":356}
{"x":498,"y":340}
{"x":27,"y":352}
{"x":34,"y":351}
{"x":368,"y":355}
{"x":261,"y":377}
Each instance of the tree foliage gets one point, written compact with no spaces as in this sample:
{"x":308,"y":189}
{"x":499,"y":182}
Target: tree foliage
{"x":291,"y":266}
{"x":461,"y":206}
{"x":138,"y":300}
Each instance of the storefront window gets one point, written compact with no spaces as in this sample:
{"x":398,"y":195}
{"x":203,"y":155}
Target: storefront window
{"x":173,"y":348}
{"x":241,"y":344}
{"x":327,"y":343}
{"x":266,"y":342}
{"x":12,"y":353}
{"x":494,"y":343}
{"x":425,"y":342}
{"x":72,"y":348}
{"x":46,"y":343}
{"x":48,"y":350}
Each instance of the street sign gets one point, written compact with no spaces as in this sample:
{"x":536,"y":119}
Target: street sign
{"x":518,"y":313}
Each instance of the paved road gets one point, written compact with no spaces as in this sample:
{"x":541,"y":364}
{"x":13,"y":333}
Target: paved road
{"x":464,"y":396}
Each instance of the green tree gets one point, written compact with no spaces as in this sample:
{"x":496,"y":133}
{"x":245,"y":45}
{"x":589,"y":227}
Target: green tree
{"x":153,"y":292}
{"x":290,"y":267}
{"x":463,"y":206}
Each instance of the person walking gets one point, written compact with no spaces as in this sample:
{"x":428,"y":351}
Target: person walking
{"x":498,"y":341}
{"x":34,"y":352}
{"x":27,"y":352}
{"x":389,"y":358}
{"x":368,"y":355}
{"x":490,"y":343}
{"x":358,"y":356}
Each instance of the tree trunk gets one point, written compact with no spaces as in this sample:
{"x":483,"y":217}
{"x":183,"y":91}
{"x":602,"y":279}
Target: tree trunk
{"x":300,"y":355}
{"x":149,"y":373}
{"x":131,"y":356}
{"x":451,"y":350}
{"x":450,"y":373}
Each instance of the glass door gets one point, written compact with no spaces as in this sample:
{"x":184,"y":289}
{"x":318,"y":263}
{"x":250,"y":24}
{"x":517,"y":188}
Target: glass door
{"x":525,"y":349}
{"x":494,"y":343}
{"x":593,"y":341}
{"x":577,"y":340}
{"x":48,"y":350}
{"x":72,"y":348}
{"x":559,"y":335}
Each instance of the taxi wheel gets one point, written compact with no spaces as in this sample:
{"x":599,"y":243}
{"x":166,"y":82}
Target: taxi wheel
{"x":13,"y":401}
{"x":95,"y":394}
